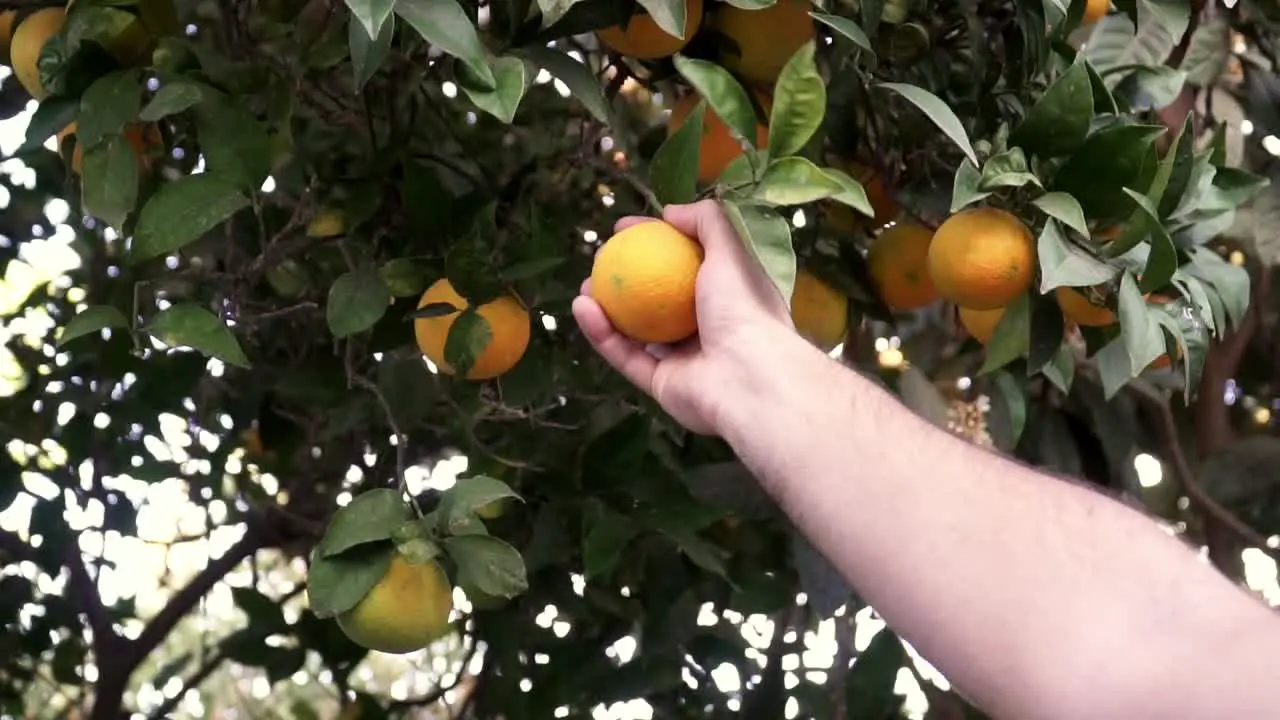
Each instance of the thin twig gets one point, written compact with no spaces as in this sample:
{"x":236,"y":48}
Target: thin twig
{"x":402,"y":441}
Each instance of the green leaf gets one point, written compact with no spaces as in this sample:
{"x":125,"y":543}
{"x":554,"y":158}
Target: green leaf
{"x":939,"y":112}
{"x":727,"y":99}
{"x":469,"y":335}
{"x":768,"y":236}
{"x":445,"y":25}
{"x":1007,"y":169}
{"x":511,"y":78}
{"x":110,"y":185}
{"x":669,"y":15}
{"x":368,"y":53}
{"x":922,"y":396}
{"x":265,"y":615}
{"x":673,"y":174}
{"x":1061,"y":370}
{"x":870,"y":682}
{"x":1012,"y":337}
{"x":51,"y":115}
{"x":372,"y":15}
{"x":606,"y":535}
{"x":851,"y":192}
{"x":1059,"y":121}
{"x":1151,"y":87}
{"x":531,"y":268}
{"x":1143,"y":341}
{"x":575,"y":75}
{"x":1162,"y":261}
{"x":799,"y":102}
{"x":111,"y":102}
{"x":234,"y":144}
{"x":795,"y":180}
{"x":1012,"y":398}
{"x":172,"y":98}
{"x":966,"y":189}
{"x":182,"y":211}
{"x":1208,"y":52}
{"x":370,"y":517}
{"x":189,"y":324}
{"x":845,"y":27}
{"x":337,"y":583}
{"x":1111,"y":159}
{"x":700,"y":552}
{"x":1064,"y":208}
{"x":92,"y":319}
{"x":1176,"y":169}
{"x":1231,"y":281}
{"x":357,"y":300}
{"x":1064,"y":265}
{"x":470,"y":494}
{"x":488,"y":564}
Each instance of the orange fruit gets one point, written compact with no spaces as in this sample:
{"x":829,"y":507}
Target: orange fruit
{"x":142,"y":137}
{"x":982,"y":258}
{"x":644,"y":278}
{"x":1081,"y":310}
{"x":508,"y":325}
{"x":718,"y":147}
{"x":7,"y":19}
{"x":981,"y":324}
{"x":766,"y":38}
{"x":405,"y":611}
{"x":1094,"y":10}
{"x":28,"y":40}
{"x":819,"y":311}
{"x":898,"y":262}
{"x":643,"y":39}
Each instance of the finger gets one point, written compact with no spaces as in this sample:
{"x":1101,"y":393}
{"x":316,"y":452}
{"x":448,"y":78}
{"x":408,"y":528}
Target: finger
{"x":585,"y":287}
{"x":630,"y":220}
{"x":627,"y":357}
{"x":706,"y":221}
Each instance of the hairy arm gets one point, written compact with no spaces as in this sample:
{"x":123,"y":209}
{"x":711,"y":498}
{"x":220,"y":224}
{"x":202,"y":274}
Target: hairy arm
{"x":1036,"y":597}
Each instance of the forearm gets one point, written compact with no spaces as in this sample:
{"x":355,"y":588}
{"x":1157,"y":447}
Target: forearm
{"x":1038,"y":598}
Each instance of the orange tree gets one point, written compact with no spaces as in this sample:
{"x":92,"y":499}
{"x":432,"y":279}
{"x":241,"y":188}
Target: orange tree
{"x":338,"y":243}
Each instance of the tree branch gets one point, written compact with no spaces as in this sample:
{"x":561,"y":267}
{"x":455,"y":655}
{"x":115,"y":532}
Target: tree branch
{"x":434,"y":696}
{"x":202,"y":673}
{"x":82,"y":586}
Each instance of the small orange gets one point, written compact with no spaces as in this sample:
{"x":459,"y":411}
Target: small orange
{"x":719,"y":147}
{"x":644,"y":40}
{"x":765,"y":38}
{"x":982,"y":258}
{"x":1094,"y":10}
{"x":898,"y":262}
{"x":819,"y":311}
{"x":508,"y":327}
{"x":981,"y":324}
{"x":645,"y":278}
{"x":142,"y":137}
{"x":1080,"y":309}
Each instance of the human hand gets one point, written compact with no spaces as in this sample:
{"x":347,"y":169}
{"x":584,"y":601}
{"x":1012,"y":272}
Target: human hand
{"x":739,"y":310}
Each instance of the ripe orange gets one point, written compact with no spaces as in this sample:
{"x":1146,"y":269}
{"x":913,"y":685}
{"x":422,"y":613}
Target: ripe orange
{"x":982,"y":258}
{"x":405,"y":611}
{"x":142,"y":137}
{"x":643,"y":39}
{"x":508,"y":325}
{"x":981,"y":324}
{"x":7,"y":19}
{"x":28,"y":40}
{"x":819,"y":311}
{"x":1080,"y":309}
{"x":898,"y":262}
{"x":718,"y":147}
{"x":1094,"y":10}
{"x":766,"y":39}
{"x":645,"y":279}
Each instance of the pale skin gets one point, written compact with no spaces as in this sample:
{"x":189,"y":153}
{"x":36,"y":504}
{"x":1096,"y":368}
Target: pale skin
{"x":1036,"y":597}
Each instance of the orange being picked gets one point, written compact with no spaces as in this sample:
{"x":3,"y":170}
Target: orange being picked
{"x":982,"y":258}
{"x":981,"y":324}
{"x":644,"y":40}
{"x":406,"y":610}
{"x":766,"y":38}
{"x":645,"y":278}
{"x":899,"y":264}
{"x":819,"y":311}
{"x":508,"y":325}
{"x":1094,"y":10}
{"x":718,"y":147}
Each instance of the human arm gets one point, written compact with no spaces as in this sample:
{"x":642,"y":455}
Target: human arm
{"x":1037,"y":597}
